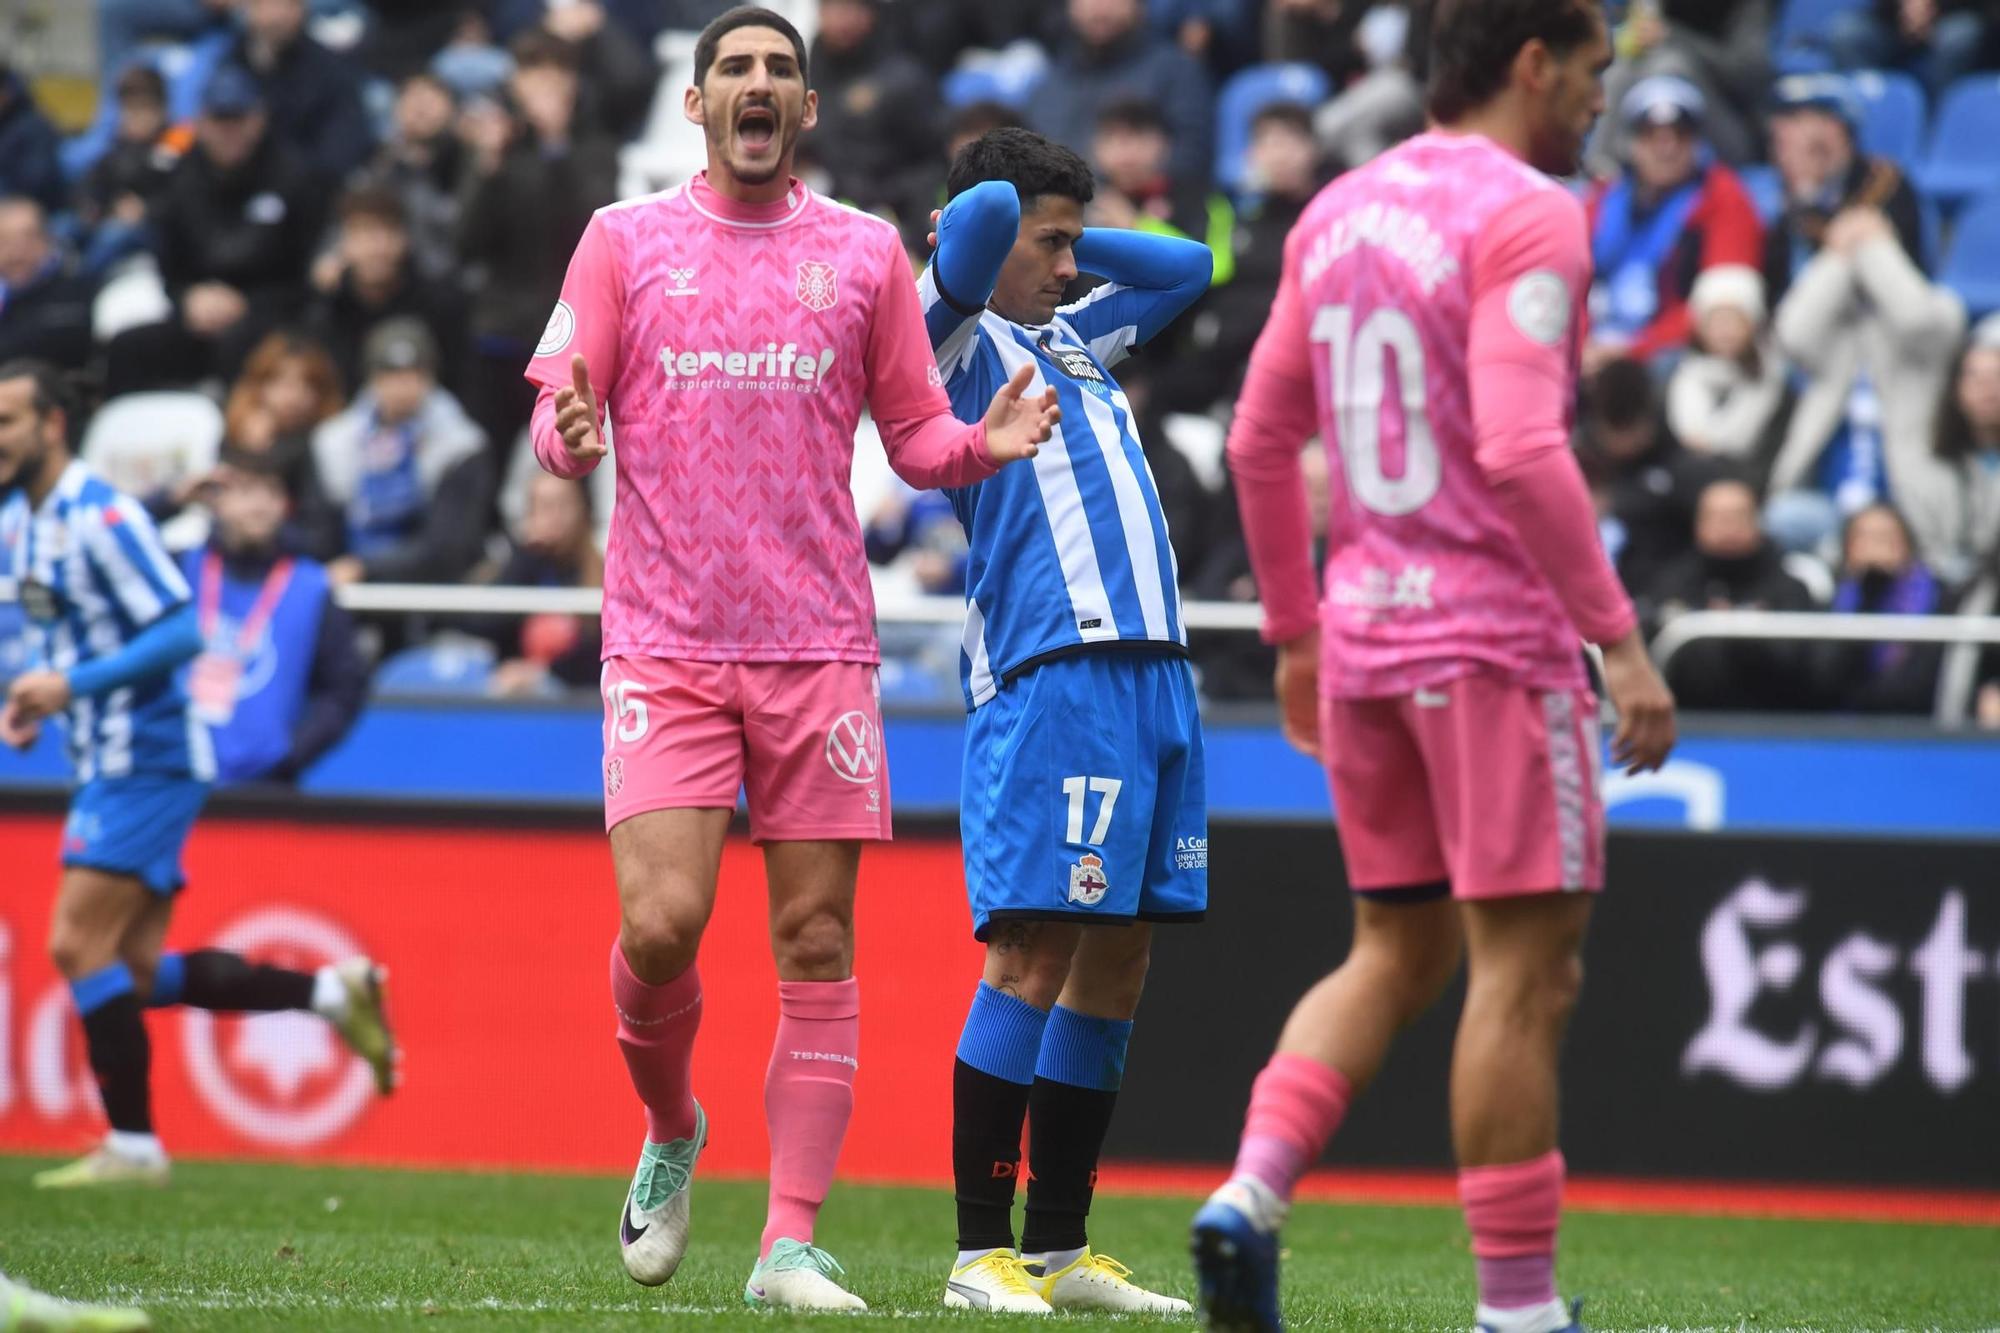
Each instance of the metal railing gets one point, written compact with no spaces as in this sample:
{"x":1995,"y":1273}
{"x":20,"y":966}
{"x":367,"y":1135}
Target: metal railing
{"x":1967,"y":633}
{"x":475,"y":599}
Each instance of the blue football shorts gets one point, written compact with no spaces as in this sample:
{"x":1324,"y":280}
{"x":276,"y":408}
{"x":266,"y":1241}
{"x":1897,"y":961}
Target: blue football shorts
{"x":1084,"y":795}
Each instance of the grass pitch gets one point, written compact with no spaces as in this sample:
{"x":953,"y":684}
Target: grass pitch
{"x":232,"y":1247}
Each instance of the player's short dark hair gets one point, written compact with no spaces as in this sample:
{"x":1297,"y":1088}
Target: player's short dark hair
{"x":744,"y":16}
{"x":1474,"y":42}
{"x":1134,"y":115}
{"x":372,"y":199}
{"x":1292,"y":115}
{"x":538,"y":48}
{"x":52,"y":389}
{"x":1035,"y":166}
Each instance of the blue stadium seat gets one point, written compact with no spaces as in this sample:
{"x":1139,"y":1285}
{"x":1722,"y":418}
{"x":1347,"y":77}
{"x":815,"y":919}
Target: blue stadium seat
{"x":454,"y":666}
{"x":988,"y":83}
{"x":1892,"y":114}
{"x":1964,"y":157}
{"x":1249,"y":92}
{"x":1973,"y":267}
{"x":1766,"y":191}
{"x":1799,"y":40}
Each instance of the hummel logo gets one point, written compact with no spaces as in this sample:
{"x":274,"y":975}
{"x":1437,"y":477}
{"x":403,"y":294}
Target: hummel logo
{"x":683,"y":279}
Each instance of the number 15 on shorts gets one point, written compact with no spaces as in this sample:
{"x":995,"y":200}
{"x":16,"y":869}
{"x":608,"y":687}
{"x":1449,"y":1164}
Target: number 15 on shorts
{"x":1078,"y":790}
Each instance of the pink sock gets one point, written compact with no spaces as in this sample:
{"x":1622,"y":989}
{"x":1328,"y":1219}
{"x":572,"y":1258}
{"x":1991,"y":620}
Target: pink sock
{"x":1295,"y":1105}
{"x":1512,"y":1211}
{"x":656,"y":1027}
{"x":808,"y":1097}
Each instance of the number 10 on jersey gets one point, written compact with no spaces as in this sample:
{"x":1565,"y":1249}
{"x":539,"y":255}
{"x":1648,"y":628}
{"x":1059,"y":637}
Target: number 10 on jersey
{"x":1360,"y":386}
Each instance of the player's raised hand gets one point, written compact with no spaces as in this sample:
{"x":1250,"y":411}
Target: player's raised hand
{"x":1016,"y":426}
{"x":1646,"y":729}
{"x":1297,"y":685}
{"x":577,"y":416}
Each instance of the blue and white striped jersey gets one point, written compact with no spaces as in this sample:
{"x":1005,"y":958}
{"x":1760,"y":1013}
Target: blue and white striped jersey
{"x":1070,"y":548}
{"x":90,"y":573}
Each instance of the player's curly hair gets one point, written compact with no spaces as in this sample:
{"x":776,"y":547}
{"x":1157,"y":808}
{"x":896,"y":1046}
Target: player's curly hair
{"x":1034,"y":165}
{"x":1474,"y":42}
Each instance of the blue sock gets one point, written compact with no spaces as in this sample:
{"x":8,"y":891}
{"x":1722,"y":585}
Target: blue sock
{"x":169,"y":974}
{"x":1003,"y":1035}
{"x":91,"y":993}
{"x":1082,"y":1051}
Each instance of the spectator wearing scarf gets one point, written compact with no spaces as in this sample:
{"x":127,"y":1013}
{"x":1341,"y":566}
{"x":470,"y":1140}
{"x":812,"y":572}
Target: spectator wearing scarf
{"x":1673,"y":214}
{"x":1880,"y":575}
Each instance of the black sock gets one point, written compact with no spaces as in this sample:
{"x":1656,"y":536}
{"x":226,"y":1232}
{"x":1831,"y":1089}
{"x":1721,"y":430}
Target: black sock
{"x":122,"y":1058}
{"x":1066,"y":1128}
{"x":230,"y":983}
{"x":986,"y":1115}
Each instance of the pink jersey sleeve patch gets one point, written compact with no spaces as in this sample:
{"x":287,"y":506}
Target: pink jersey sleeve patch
{"x":1530,"y":273}
{"x":587,"y":318}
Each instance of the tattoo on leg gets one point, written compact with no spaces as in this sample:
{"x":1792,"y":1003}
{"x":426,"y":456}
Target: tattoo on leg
{"x":1011,"y":985}
{"x":1011,"y":936}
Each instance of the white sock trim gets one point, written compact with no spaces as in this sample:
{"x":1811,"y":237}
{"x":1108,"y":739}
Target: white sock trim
{"x":143,"y":1148}
{"x":329,"y":999}
{"x":1549,"y":1318}
{"x":1054,"y":1261}
{"x":974,"y":1256}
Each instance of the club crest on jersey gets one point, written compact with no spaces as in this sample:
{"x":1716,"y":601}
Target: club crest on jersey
{"x":1087,"y":884}
{"x":38,"y":601}
{"x":817,"y":287}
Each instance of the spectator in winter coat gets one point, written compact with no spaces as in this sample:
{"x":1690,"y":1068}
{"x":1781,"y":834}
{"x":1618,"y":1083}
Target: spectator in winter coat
{"x":234,"y":235}
{"x":1952,"y":499}
{"x":368,"y":276}
{"x":1732,"y":567}
{"x":1672,"y":215}
{"x":1880,"y":575}
{"x":28,"y":143}
{"x":1938,"y":41}
{"x":878,"y":131}
{"x":406,"y":467}
{"x":44,"y":302}
{"x":1873,"y":340}
{"x":554,"y":546}
{"x":313,"y":94}
{"x":1110,"y":53}
{"x":1727,"y":396}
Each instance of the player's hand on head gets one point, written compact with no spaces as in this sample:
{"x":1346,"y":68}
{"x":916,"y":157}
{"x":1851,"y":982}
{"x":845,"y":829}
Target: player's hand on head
{"x":936,"y":213}
{"x":1017,"y":425}
{"x":1646,"y":728}
{"x":577,"y":415}
{"x":1297,"y":686}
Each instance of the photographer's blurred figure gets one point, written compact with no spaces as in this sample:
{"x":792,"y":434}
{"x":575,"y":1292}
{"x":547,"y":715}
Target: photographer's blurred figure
{"x":280,"y":678}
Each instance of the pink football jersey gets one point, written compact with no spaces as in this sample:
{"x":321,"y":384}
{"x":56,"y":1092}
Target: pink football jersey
{"x":732,"y":346}
{"x":1420,"y":294}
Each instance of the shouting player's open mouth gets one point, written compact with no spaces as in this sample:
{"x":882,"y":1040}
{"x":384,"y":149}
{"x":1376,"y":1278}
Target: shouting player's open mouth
{"x":757,"y":129}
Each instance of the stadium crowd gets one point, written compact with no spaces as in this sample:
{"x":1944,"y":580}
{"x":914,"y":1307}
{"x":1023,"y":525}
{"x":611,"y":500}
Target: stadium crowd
{"x":325,"y":235}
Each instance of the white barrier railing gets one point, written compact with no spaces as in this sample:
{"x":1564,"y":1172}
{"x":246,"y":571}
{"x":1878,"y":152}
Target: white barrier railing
{"x":475,"y":599}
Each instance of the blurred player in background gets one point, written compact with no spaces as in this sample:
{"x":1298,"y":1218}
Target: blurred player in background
{"x":112,"y":622}
{"x":1083,"y":809}
{"x":1428,"y":326}
{"x":733,"y":327}
{"x":25,"y":1310}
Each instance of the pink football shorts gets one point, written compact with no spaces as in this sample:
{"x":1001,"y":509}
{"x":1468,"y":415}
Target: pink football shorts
{"x":802,"y":739}
{"x":1488,"y":786}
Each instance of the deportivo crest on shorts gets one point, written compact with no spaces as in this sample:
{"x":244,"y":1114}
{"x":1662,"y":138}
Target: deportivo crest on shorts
{"x":1087,"y":884}
{"x":817,"y":288}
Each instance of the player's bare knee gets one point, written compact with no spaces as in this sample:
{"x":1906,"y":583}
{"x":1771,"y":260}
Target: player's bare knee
{"x":814,"y":945}
{"x":660,"y":938}
{"x":74,"y":953}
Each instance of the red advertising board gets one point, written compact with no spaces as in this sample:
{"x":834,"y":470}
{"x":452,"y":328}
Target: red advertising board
{"x":496,"y":941}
